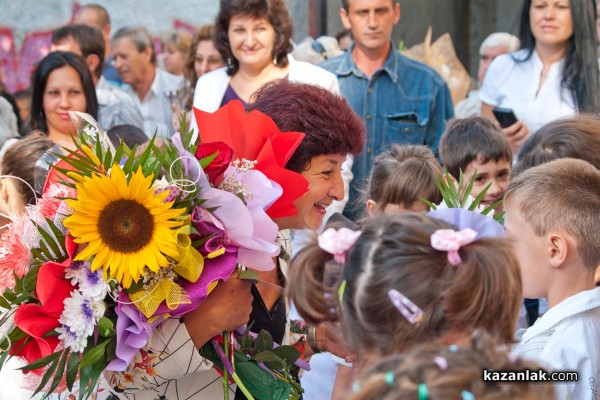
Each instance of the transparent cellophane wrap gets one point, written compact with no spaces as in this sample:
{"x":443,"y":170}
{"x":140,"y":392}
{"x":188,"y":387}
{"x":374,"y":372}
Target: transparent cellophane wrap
{"x":441,"y":56}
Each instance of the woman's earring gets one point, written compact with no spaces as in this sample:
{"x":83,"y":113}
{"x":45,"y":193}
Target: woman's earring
{"x":275,"y":60}
{"x":229,"y":63}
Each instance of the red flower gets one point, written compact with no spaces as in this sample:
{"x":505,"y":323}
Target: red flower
{"x":254,"y":136}
{"x":216,"y":169}
{"x":38,"y":320}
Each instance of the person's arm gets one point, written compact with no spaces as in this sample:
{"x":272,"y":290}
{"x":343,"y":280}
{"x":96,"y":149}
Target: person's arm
{"x":172,"y":350}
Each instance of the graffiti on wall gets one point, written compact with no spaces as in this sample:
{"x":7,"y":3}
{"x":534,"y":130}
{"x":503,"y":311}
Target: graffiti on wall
{"x":16,"y":66}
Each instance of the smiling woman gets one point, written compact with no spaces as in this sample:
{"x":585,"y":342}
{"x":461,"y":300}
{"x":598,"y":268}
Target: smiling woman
{"x":253,"y":38}
{"x":62,"y":82}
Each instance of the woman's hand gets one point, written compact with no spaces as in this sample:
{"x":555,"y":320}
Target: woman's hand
{"x":516,"y":134}
{"x":227,"y":307}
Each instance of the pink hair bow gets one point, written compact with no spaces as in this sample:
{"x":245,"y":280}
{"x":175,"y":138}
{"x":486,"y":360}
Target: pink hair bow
{"x":450,"y":240}
{"x":338,"y":242}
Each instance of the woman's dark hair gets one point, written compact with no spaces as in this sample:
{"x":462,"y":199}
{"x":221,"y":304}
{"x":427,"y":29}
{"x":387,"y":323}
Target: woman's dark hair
{"x":395,"y":252}
{"x":274,"y":11}
{"x":329,"y":124}
{"x":580,"y":70}
{"x":39,"y":79}
{"x":572,"y":137}
{"x":21,"y":157}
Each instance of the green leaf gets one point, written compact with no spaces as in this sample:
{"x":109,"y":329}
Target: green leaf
{"x":42,"y":362}
{"x":288,"y":354}
{"x":47,"y":375}
{"x":479,"y":197}
{"x":106,"y":327}
{"x":94,"y":354}
{"x":428,"y":203}
{"x":469,"y":189}
{"x":263,"y":342}
{"x":207,"y":160}
{"x":72,"y":369}
{"x":60,"y":369}
{"x":270,"y":359}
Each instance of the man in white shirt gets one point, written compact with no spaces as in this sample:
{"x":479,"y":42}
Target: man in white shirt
{"x":152,"y":89}
{"x":496,"y":44}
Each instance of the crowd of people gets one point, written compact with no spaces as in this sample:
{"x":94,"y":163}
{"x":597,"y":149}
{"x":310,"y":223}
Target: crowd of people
{"x":385,"y":297}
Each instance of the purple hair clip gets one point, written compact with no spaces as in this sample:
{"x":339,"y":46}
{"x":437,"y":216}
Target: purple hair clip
{"x":407,"y":308}
{"x":451,"y":241}
{"x":338,"y":242}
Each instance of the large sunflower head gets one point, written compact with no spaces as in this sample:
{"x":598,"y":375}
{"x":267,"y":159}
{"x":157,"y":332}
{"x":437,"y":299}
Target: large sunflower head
{"x":125,"y":225}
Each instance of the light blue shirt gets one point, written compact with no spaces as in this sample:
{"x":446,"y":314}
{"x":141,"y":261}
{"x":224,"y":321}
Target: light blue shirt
{"x":403,"y":102}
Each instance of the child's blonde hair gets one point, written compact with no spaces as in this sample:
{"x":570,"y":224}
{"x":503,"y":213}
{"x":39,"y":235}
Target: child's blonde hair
{"x":450,"y":373}
{"x":563,"y":194}
{"x":395,"y":252}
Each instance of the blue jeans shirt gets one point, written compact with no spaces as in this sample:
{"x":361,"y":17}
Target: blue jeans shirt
{"x":403,"y":102}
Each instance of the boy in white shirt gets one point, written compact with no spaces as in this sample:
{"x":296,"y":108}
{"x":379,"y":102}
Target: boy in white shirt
{"x":553,"y":220}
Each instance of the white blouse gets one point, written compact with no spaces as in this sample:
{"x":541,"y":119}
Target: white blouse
{"x":515,"y":85}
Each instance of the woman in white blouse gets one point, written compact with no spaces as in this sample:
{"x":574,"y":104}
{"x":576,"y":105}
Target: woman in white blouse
{"x":555,"y":73}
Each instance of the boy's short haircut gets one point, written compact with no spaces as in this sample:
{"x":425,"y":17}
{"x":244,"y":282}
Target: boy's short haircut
{"x":563,"y":194}
{"x":469,"y":139}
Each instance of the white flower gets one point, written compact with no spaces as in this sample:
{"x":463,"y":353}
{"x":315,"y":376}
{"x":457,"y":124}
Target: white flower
{"x":91,"y":284}
{"x":78,"y":320}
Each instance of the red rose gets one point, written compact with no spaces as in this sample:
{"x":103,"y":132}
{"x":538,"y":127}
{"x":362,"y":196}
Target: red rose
{"x":216,"y":169}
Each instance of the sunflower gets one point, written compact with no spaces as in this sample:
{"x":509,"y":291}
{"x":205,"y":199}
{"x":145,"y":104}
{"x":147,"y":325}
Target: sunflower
{"x":125,"y":224}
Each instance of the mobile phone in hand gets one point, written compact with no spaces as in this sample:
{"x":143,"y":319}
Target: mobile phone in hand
{"x":505,"y":116}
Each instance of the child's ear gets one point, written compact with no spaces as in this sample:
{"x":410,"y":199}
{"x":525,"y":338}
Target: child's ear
{"x":372,"y":208}
{"x":560,"y":247}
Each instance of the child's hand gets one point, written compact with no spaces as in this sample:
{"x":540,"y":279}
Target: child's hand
{"x":516,"y":134}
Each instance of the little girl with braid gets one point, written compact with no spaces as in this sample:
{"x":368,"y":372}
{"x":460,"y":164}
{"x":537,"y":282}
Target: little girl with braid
{"x":410,"y":278}
{"x":432,"y":371}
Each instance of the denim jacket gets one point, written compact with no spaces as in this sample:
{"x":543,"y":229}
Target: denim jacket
{"x":403,"y":102}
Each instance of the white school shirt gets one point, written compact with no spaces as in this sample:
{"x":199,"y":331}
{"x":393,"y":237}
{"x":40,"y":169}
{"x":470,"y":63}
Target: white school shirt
{"x":514,"y":85}
{"x":567,"y":338}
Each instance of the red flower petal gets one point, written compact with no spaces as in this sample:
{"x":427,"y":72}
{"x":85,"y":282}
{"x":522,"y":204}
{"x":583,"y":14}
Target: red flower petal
{"x":255,"y":136}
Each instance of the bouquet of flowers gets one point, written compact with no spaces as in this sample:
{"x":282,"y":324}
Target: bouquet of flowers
{"x":122,"y":239}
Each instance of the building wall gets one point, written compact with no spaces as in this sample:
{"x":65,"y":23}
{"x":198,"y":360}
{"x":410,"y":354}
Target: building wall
{"x":157,"y":15}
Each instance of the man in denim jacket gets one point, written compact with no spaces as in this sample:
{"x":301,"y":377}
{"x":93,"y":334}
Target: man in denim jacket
{"x":400,"y":100}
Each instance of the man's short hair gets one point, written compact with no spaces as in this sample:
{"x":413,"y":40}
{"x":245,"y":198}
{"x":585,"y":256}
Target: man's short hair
{"x":102,"y":17}
{"x":140,"y":37}
{"x":469,"y":139}
{"x":88,"y":38}
{"x":346,"y":4}
{"x":563,"y":194}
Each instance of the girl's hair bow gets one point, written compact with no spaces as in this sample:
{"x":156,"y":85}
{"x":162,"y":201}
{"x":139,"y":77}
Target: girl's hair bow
{"x":338,"y":242}
{"x":450,"y":240}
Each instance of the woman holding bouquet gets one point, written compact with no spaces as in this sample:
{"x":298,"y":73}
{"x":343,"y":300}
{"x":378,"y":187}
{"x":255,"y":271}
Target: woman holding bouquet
{"x":62,"y":82}
{"x":170,"y":367}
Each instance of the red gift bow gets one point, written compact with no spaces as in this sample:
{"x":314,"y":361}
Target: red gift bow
{"x":254,"y":136}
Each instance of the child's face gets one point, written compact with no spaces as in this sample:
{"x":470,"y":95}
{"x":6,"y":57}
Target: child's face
{"x":530,"y":250}
{"x":496,"y":172}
